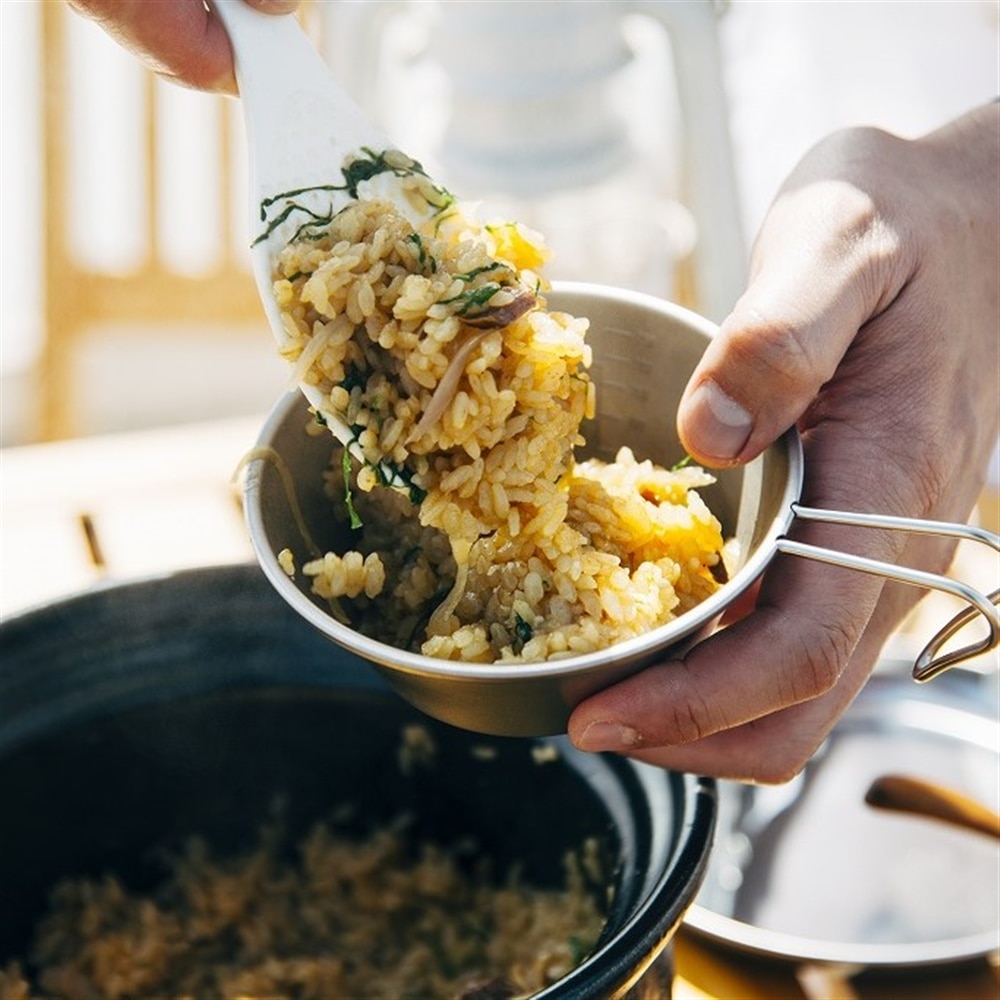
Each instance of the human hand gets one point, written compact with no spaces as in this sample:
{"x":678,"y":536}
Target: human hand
{"x":178,"y":39}
{"x":871,"y":320}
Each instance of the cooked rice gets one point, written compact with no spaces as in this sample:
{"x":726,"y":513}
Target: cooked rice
{"x":501,"y":547}
{"x":336,"y":918}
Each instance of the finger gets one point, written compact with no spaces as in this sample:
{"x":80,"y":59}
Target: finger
{"x":709,"y":714}
{"x":794,"y":649}
{"x":821,"y":273}
{"x":774,"y":748}
{"x":771,"y":750}
{"x":181,"y":41}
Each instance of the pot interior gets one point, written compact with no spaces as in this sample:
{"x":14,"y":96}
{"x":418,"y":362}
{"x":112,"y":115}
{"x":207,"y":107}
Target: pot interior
{"x":215,"y":765}
{"x":134,"y":717}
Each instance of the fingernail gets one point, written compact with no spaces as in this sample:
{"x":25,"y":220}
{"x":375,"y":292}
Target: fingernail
{"x":716,"y":423}
{"x":607,"y":736}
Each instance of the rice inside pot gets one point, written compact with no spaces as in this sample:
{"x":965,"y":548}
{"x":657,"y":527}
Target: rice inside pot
{"x":337,"y":917}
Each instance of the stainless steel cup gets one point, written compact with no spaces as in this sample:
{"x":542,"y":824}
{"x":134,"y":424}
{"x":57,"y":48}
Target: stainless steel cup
{"x":645,"y":349}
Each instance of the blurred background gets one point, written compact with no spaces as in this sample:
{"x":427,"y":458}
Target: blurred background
{"x":125,"y":287}
{"x":126,"y":301}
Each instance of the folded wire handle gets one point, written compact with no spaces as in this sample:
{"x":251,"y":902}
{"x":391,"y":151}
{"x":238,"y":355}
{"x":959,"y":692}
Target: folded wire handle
{"x":929,"y":663}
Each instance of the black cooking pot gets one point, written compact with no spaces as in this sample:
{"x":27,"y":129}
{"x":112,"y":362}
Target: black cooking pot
{"x":139,"y":715}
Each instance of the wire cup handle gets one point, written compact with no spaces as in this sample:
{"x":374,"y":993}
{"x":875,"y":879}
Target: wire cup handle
{"x":930,"y":662}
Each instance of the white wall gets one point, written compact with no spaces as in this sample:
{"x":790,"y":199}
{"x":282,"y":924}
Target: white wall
{"x":798,"y":70}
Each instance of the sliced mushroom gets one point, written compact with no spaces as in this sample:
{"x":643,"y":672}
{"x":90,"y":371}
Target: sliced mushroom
{"x":495,"y":317}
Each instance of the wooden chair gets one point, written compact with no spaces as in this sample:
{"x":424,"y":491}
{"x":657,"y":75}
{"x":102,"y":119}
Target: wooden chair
{"x":79,"y":296}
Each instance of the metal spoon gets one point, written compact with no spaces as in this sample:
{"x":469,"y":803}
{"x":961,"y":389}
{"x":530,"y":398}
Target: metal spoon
{"x":311,"y":152}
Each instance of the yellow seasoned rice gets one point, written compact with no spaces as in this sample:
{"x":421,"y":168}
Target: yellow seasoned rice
{"x":436,"y":347}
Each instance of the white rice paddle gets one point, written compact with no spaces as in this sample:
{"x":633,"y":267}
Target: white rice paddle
{"x":311,"y":153}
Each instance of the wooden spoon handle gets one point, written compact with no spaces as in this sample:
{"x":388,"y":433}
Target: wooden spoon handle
{"x":924,"y":798}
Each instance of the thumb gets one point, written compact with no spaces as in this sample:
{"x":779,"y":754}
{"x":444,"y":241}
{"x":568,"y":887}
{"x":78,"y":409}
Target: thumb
{"x":811,"y":291}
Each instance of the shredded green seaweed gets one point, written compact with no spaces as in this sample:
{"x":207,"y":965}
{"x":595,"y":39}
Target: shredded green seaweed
{"x":358,"y":170}
{"x":345,"y":464}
